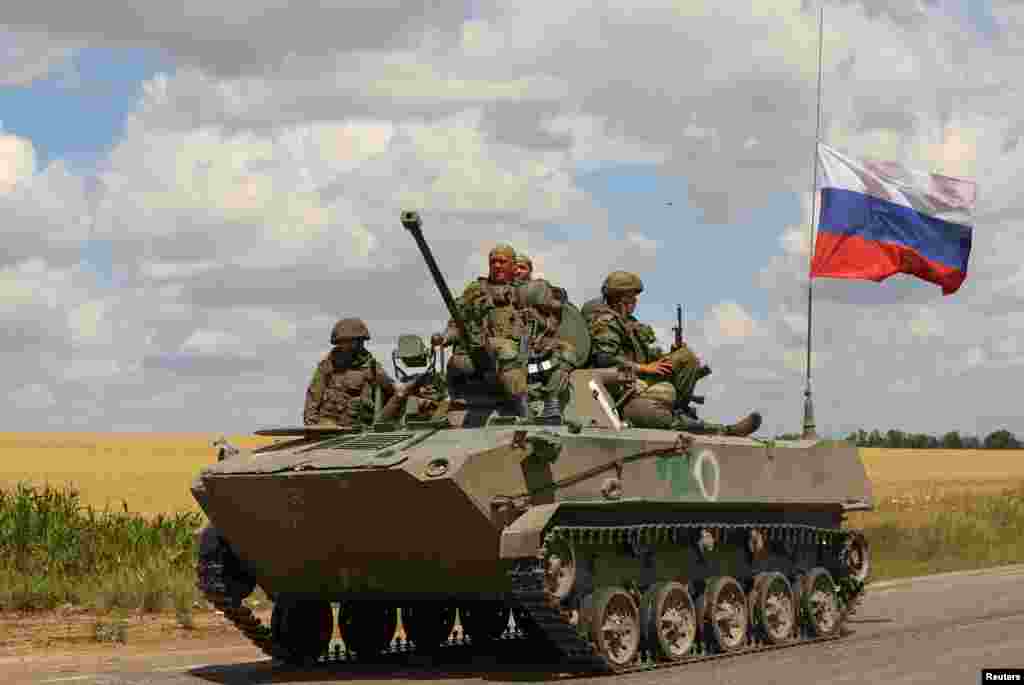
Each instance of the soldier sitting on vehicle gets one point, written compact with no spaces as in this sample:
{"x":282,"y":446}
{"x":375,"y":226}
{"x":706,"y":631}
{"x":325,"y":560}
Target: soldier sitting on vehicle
{"x":495,"y":323}
{"x":550,"y":356}
{"x":342,"y":390}
{"x":524,"y":268}
{"x":618,"y":339}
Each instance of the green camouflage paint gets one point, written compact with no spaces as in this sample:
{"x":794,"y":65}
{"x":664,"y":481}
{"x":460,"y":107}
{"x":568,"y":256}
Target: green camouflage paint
{"x":676,"y":470}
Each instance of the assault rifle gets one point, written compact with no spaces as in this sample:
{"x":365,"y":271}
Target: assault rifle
{"x":678,"y":328}
{"x":686,"y":398}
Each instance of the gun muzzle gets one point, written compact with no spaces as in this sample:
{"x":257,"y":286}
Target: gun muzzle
{"x":411,"y":221}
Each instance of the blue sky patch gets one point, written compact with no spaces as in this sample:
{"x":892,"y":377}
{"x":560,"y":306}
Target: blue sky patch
{"x":699,"y":265}
{"x":77,"y":112}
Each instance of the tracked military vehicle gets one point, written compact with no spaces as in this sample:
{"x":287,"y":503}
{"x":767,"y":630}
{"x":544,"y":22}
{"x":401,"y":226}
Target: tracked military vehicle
{"x":612,"y":546}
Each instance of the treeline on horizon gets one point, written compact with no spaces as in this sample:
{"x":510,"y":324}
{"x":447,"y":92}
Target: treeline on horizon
{"x":896,"y":439}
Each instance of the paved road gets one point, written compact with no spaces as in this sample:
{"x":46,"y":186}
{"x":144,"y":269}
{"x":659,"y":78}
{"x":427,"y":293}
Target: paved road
{"x":937,"y":629}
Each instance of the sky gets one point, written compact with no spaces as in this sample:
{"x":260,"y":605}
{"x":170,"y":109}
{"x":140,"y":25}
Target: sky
{"x":190,"y":196}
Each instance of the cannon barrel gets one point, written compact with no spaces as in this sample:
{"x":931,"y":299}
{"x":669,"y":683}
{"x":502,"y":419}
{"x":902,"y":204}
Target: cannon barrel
{"x":412,"y":223}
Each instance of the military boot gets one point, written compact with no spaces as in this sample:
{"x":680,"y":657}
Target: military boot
{"x":742,"y":428}
{"x":745,"y":426}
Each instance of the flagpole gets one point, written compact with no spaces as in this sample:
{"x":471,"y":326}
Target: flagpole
{"x":809,"y":432}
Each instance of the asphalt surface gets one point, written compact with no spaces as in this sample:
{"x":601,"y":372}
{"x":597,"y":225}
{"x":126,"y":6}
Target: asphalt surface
{"x":936,"y":629}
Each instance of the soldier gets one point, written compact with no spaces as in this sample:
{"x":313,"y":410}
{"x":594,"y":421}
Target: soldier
{"x":524,"y":267}
{"x":618,"y":339}
{"x":495,"y":323}
{"x":341,"y":392}
{"x":550,"y":356}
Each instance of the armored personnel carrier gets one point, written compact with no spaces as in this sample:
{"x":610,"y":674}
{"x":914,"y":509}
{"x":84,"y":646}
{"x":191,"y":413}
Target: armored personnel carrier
{"x":612,"y":546}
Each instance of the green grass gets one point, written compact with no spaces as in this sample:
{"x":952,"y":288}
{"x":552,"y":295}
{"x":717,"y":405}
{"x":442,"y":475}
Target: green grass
{"x":913,"y":536}
{"x":55,"y":551}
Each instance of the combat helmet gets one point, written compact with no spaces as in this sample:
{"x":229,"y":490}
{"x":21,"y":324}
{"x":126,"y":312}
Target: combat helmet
{"x":621,"y":283}
{"x":347,"y":329}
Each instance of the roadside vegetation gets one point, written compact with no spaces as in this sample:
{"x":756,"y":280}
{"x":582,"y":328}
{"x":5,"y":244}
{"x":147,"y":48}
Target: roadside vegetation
{"x":934,"y":529}
{"x":56,"y":552}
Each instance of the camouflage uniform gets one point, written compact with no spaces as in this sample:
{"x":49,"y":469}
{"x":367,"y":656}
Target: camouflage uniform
{"x":587,"y":310}
{"x":495,"y":324}
{"x":621,"y":340}
{"x":341,"y":391}
{"x":550,"y":355}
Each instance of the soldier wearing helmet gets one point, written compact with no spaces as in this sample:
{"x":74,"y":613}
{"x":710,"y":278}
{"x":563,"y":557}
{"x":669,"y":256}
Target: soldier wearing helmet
{"x":342,"y":391}
{"x":551,"y":356}
{"x":618,"y":339}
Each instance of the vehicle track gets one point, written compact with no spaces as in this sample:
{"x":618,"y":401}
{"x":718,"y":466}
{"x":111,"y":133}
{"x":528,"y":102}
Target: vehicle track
{"x":545,"y":620}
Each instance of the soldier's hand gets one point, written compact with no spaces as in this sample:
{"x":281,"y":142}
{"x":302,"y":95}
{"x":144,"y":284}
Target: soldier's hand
{"x":437,"y":340}
{"x":662,"y":367}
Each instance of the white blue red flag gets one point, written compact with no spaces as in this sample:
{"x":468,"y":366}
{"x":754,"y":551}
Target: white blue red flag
{"x":880,"y":218}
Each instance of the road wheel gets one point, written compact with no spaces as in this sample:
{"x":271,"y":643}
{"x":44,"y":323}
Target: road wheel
{"x":725,"y":614}
{"x":428,"y":624}
{"x":615,"y":626}
{"x":772,"y":607}
{"x":303,"y":628}
{"x":368,"y":628}
{"x":669,"y":620}
{"x":819,"y":603}
{"x":484,"y":622}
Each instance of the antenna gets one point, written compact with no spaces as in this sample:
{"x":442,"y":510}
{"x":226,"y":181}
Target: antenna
{"x":809,"y":432}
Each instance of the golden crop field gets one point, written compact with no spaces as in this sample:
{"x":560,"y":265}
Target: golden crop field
{"x":893,"y":471}
{"x":152,"y":472}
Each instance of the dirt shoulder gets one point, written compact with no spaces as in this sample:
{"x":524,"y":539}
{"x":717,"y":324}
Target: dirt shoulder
{"x":75,"y":630}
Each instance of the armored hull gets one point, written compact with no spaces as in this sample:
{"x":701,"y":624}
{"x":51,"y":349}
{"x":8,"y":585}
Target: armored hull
{"x":607,"y":543}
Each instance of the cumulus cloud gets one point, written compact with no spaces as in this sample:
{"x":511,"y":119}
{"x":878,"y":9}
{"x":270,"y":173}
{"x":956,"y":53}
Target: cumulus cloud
{"x":29,"y":55}
{"x":46,"y":213}
{"x":729,"y":324}
{"x":88,"y":322}
{"x":17,"y":161}
{"x":33,"y":397}
{"x":253,"y":195}
{"x":230,"y":37}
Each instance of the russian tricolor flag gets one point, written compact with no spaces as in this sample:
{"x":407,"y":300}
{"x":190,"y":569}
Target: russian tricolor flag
{"x":880,"y":218}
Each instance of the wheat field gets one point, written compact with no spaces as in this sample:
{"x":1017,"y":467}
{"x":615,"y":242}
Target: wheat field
{"x":895,"y":471}
{"x":152,"y":472}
